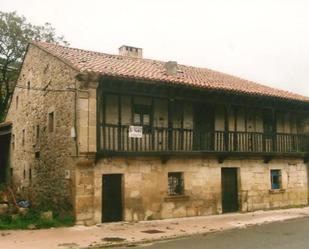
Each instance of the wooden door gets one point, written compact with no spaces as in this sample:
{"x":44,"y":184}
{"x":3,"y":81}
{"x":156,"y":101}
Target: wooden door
{"x":229,"y":190}
{"x":112,"y":209}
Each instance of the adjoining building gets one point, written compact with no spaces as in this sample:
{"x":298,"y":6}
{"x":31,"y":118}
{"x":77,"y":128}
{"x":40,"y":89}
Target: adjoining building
{"x":120,"y":137}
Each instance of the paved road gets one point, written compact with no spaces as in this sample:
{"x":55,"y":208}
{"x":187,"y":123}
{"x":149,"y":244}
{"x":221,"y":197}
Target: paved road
{"x":292,"y":234}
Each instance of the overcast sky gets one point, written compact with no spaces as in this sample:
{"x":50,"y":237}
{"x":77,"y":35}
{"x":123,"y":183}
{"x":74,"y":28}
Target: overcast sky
{"x":261,"y":40}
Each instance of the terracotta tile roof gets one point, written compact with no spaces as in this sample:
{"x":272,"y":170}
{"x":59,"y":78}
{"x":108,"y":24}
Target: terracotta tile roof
{"x":154,"y":70}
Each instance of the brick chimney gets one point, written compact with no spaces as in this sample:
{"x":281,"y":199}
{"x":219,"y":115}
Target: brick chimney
{"x":171,"y":67}
{"x":131,"y":51}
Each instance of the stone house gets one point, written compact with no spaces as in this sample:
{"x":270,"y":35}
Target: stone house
{"x":120,"y":137}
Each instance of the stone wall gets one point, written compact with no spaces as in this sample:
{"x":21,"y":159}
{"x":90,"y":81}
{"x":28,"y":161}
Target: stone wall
{"x":145,"y":186}
{"x":40,"y":157}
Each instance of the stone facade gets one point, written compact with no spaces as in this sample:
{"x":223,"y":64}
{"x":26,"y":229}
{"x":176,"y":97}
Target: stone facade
{"x":40,"y":157}
{"x":145,"y":186}
{"x":61,"y":165}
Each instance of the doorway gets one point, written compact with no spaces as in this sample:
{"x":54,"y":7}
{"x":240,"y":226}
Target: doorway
{"x":229,"y":190}
{"x":112,"y":208}
{"x":4,"y":157}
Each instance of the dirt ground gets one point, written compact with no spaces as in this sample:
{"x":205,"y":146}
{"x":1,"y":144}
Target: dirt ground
{"x":126,"y":233}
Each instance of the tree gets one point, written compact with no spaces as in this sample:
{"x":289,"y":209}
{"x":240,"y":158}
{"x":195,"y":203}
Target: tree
{"x":15,"y":34}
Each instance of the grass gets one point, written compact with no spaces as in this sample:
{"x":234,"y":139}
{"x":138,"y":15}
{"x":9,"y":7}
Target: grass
{"x":7,"y":222}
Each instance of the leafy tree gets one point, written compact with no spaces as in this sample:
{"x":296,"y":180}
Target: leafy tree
{"x":15,"y":33}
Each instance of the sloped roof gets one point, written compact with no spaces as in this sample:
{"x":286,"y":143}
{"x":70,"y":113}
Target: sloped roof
{"x":154,"y":70}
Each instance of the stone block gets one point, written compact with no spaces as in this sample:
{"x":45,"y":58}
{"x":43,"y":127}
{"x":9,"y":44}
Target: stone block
{"x":48,"y":215}
{"x":4,"y":208}
{"x":22,"y":210}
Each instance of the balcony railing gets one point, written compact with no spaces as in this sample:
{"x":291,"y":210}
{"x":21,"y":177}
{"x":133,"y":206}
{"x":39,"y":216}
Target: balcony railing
{"x":115,"y":138}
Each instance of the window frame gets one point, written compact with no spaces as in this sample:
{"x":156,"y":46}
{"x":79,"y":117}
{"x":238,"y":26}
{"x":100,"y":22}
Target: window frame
{"x":269,"y":124}
{"x":37,"y":132}
{"x":275,"y":184}
{"x":51,"y":121}
{"x":179,"y":188}
{"x":23,"y":137}
{"x":142,"y":110}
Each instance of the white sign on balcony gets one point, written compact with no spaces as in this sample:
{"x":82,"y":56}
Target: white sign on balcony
{"x":135,"y":131}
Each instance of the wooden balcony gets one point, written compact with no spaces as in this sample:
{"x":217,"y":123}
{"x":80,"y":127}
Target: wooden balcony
{"x":115,"y":140}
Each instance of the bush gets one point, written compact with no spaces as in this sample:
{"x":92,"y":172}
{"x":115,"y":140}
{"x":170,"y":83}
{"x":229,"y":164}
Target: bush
{"x":33,"y":219}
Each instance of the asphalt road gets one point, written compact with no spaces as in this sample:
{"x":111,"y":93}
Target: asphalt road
{"x":292,"y":234}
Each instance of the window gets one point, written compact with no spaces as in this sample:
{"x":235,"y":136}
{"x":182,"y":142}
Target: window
{"x":275,"y":177}
{"x":30,"y":175}
{"x":24,"y":174}
{"x":28,"y":90}
{"x":37,"y":132}
{"x":13,"y":141}
{"x":268,"y":123}
{"x":51,"y":122}
{"x":142,"y":116}
{"x":16,"y":102}
{"x":175,"y":183}
{"x":23,"y":138}
{"x":37,"y":154}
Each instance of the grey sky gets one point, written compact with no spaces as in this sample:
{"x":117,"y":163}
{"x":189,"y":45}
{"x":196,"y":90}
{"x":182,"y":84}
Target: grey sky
{"x":261,"y":40}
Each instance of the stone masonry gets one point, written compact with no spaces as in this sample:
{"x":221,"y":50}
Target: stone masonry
{"x":39,"y":157}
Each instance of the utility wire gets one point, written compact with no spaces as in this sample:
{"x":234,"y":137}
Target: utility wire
{"x":45,"y":90}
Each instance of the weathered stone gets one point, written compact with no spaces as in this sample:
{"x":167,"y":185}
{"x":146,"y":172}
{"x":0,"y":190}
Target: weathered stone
{"x":48,"y":215}
{"x":31,"y":226}
{"x":14,"y":216}
{"x":4,"y":208}
{"x":22,"y":211}
{"x":43,"y":176}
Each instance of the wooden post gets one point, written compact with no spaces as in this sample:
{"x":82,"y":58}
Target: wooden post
{"x":152,"y":125}
{"x":119,"y":123}
{"x":226,"y":129}
{"x":103,"y":120}
{"x":169,"y":125}
{"x":274,"y":124}
{"x":235,"y":129}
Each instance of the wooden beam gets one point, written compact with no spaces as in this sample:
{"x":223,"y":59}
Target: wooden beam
{"x":158,"y":89}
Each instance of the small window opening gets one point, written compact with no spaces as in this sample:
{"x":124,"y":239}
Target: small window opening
{"x":268,"y":124}
{"x":275,"y":177}
{"x":13,"y":141}
{"x":51,"y":122}
{"x":175,"y":183}
{"x":37,"y":132}
{"x":16,"y":102}
{"x":142,"y":116}
{"x":30,"y":175}
{"x":37,"y":154}
{"x":24,"y":174}
{"x":23,"y":138}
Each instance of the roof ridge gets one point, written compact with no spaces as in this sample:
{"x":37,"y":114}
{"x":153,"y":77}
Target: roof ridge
{"x":94,"y":52}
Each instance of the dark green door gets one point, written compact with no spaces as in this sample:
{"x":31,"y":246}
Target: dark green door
{"x":229,"y":190}
{"x":112,"y":198}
